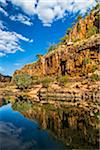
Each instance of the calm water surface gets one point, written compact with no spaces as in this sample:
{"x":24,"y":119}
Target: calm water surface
{"x":28,"y":126}
{"x":19,"y":133}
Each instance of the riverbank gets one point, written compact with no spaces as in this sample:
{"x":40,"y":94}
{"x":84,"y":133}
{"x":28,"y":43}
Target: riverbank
{"x":74,"y":90}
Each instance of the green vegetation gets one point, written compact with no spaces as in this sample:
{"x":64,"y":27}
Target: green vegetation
{"x":39,"y":56}
{"x":52,"y":47}
{"x":75,"y":40}
{"x":95,"y":77}
{"x":78,"y":27}
{"x":63,"y":39}
{"x":86,"y":61}
{"x":97,"y":6}
{"x":22,"y":106}
{"x":68,"y":31}
{"x":35,"y":80}
{"x":91,"y":31}
{"x":46,"y":81}
{"x":79,"y":17}
{"x":62,"y":80}
{"x":23,"y":81}
{"x":94,"y":68}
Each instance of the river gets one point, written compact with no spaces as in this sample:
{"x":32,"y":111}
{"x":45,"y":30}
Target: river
{"x":24,"y":126}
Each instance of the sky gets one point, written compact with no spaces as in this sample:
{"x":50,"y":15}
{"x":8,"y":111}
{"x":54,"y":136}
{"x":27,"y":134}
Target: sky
{"x":29,"y":27}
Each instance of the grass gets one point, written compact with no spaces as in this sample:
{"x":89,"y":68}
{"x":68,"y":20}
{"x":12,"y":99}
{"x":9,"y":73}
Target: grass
{"x":95,"y":77}
{"x":62,"y":80}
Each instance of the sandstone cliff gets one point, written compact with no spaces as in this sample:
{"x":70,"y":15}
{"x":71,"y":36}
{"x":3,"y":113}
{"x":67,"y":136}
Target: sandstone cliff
{"x":78,"y":55}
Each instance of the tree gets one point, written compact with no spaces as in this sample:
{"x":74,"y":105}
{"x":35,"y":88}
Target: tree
{"x":39,"y":56}
{"x":23,"y":81}
{"x":63,"y":39}
{"x":68,"y":30}
{"x":52,"y":47}
{"x":79,"y":17}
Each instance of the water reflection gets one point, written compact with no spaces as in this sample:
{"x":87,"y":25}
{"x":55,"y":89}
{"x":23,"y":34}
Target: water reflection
{"x":64,"y":124}
{"x":19,"y":133}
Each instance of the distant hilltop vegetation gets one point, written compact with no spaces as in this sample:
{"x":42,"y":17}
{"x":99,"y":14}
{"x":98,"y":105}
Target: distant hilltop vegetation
{"x":76,"y":55}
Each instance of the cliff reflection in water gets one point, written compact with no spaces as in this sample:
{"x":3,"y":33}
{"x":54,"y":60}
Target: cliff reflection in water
{"x":66,"y":124}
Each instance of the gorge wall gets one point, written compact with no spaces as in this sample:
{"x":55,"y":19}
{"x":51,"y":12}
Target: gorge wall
{"x":77,"y":56}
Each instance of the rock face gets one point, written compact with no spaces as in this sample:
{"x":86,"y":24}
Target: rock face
{"x":78,"y":57}
{"x":5,"y":78}
{"x":75,"y":60}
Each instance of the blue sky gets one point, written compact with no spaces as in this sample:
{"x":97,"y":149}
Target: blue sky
{"x":28,"y":27}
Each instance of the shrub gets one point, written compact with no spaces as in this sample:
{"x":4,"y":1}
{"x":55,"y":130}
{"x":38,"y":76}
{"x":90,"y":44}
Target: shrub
{"x":91,"y":31}
{"x":79,"y":17}
{"x":39,"y":56}
{"x":94,"y":68}
{"x":78,"y":27}
{"x":23,"y":81}
{"x":86,"y":61}
{"x":68,"y":30}
{"x":63,"y":39}
{"x":52,"y":47}
{"x":95,"y":77}
{"x":46,"y":81}
{"x":35,"y":80}
{"x":62,"y":80}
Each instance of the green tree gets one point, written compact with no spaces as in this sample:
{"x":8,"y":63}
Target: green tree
{"x":52,"y":47}
{"x":23,"y":81}
{"x":39,"y":56}
{"x":63,"y":39}
{"x":91,"y":31}
{"x":68,"y":31}
{"x":78,"y":27}
{"x":79,"y":17}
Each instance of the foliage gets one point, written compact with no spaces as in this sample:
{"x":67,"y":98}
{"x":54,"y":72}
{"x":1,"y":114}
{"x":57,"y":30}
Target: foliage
{"x":35,"y":80}
{"x":94,"y":68}
{"x":91,"y":31}
{"x":97,"y":6}
{"x":22,"y":106}
{"x":39,"y":56}
{"x":63,"y":39}
{"x":95,"y":77}
{"x":23,"y":81}
{"x":62,"y":80}
{"x":46,"y":81}
{"x":86,"y":61}
{"x":52,"y":47}
{"x":75,"y":39}
{"x":79,"y":17}
{"x":78,"y":27}
{"x":68,"y":31}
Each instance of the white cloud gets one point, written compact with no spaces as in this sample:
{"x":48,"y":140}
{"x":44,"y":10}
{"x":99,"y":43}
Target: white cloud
{"x":50,"y":10}
{"x":10,"y":137}
{"x":28,"y":6}
{"x":2,"y":54}
{"x":17,"y":64}
{"x":22,"y":18}
{"x":1,"y":25}
{"x":10,"y":42}
{"x":3,"y":2}
{"x":3,"y":11}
